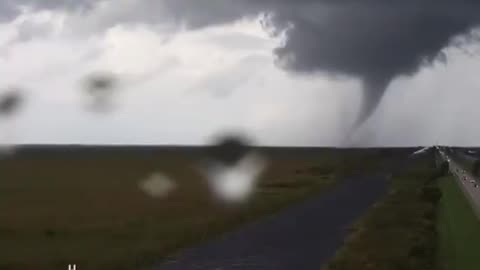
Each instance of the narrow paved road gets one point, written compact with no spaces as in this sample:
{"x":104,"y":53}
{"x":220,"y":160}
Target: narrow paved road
{"x":301,"y":237}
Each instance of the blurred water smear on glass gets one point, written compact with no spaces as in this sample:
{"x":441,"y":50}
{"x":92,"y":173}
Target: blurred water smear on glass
{"x":101,"y":88}
{"x":235,"y":184}
{"x":158,"y":185}
{"x":10,"y":101}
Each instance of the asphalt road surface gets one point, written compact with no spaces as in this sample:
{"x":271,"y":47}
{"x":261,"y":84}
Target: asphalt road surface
{"x":301,"y":237}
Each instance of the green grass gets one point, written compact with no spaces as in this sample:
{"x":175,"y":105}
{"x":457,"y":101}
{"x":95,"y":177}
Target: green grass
{"x":398,"y":232}
{"x":459,"y":230}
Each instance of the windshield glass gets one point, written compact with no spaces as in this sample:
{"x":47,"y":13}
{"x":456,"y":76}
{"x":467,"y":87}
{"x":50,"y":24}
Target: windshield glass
{"x":239,"y":134}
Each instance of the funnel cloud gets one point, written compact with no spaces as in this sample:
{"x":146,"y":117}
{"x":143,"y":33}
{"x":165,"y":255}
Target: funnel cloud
{"x":374,"y":41}
{"x":371,"y":40}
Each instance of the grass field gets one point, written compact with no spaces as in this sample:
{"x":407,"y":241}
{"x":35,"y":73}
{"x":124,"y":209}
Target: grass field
{"x":459,"y":230}
{"x":62,"y":207}
{"x":399,"y":231}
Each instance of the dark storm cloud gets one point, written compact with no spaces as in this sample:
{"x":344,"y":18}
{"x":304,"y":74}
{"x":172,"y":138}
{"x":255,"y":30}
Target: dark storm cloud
{"x":373,"y":40}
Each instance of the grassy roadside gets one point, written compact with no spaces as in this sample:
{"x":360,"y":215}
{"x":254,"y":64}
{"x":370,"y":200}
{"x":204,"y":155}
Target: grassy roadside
{"x":459,"y":229}
{"x":399,"y":232}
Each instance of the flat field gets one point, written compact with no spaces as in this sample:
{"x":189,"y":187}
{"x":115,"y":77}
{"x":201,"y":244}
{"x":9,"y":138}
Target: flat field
{"x":63,"y":205}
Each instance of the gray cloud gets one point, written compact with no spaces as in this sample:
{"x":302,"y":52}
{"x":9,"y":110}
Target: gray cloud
{"x":9,"y":9}
{"x":375,"y":43}
{"x":373,"y":40}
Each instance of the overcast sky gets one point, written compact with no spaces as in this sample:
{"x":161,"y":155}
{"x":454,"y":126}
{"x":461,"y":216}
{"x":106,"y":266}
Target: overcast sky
{"x":183,"y":77}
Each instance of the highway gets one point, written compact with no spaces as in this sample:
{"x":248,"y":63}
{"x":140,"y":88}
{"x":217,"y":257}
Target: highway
{"x":467,"y":182}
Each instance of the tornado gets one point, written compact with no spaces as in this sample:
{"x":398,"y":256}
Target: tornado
{"x":373,"y":92}
{"x":374,"y":41}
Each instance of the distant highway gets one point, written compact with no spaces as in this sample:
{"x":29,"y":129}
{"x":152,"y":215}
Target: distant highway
{"x":467,"y":182}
